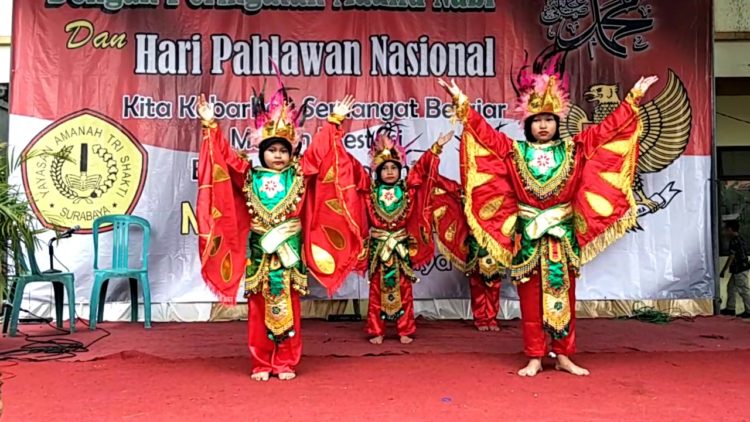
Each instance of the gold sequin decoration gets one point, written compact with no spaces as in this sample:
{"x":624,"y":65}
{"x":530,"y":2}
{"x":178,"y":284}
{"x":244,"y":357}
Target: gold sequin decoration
{"x":335,"y":206}
{"x":509,"y":225}
{"x":329,"y":177}
{"x":226,"y":267}
{"x":450,"y":233}
{"x":334,"y":237}
{"x":490,"y":208}
{"x":439,"y":213}
{"x":215,"y":245}
{"x":323,"y":260}
{"x":614,"y":179}
{"x":618,"y":147}
{"x":219,"y":175}
{"x":599,"y":204}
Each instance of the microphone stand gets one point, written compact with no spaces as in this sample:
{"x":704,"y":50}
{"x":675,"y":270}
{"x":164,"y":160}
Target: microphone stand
{"x":51,"y":250}
{"x":51,"y":270}
{"x":65,"y":235}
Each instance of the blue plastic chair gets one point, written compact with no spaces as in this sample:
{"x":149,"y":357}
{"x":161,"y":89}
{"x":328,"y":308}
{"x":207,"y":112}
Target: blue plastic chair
{"x":120,"y":247}
{"x":29,"y":273}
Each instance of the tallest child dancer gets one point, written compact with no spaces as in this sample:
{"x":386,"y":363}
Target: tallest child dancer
{"x":546,"y":205}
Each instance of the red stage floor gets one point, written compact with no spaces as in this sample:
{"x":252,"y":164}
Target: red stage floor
{"x":199,"y":371}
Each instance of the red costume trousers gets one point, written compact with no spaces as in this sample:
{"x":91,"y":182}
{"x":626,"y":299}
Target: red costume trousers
{"x":534,"y":335}
{"x":485,"y":301}
{"x":265,"y":354}
{"x":405,"y":324}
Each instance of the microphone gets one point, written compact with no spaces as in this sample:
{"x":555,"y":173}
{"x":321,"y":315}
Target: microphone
{"x":69,"y":232}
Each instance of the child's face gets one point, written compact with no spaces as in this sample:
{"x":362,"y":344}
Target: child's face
{"x":276,"y":156}
{"x":390,"y":173}
{"x":543,"y":127}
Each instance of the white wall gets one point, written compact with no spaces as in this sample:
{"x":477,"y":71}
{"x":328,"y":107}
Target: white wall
{"x":730,"y":132}
{"x":732,"y":15}
{"x":732,"y":59}
{"x":6,"y":16}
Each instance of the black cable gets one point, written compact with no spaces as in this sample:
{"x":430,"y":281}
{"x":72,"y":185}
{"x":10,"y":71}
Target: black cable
{"x":38,"y":350}
{"x":733,"y":118}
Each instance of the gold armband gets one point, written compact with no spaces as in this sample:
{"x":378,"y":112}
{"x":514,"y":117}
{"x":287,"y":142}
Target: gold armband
{"x":634,"y":96}
{"x":336,"y":119}
{"x":461,"y":107}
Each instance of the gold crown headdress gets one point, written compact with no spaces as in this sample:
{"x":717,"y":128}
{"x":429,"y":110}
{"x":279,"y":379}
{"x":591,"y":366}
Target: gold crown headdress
{"x":386,"y":146}
{"x":278,"y":118}
{"x":545,"y":90}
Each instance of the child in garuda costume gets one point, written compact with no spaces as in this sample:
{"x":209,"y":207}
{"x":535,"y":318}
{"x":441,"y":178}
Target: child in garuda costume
{"x":268,"y":226}
{"x":400,"y":228}
{"x":454,"y":240}
{"x":545,"y":205}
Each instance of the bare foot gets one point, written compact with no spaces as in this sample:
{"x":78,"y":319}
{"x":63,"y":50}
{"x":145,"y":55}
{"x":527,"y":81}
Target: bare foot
{"x":260,"y":376}
{"x":286,"y":376}
{"x":494,"y":327}
{"x":406,"y":339}
{"x":532,"y":368}
{"x":565,"y":364}
{"x":483,"y":328}
{"x":377,"y":340}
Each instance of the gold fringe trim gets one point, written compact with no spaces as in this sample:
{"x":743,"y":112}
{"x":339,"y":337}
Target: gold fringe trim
{"x":556,"y":183}
{"x":493,"y":247}
{"x":455,"y":261}
{"x":573,"y":259}
{"x":493,"y":271}
{"x":253,"y":283}
{"x":556,"y":320}
{"x":286,"y":206}
{"x":609,"y":236}
{"x":299,"y":282}
{"x":629,"y":220}
{"x":522,"y":269}
{"x":399,"y":214}
{"x":492,"y":274}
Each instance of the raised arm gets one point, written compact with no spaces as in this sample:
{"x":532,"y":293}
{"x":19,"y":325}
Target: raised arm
{"x":214,"y":146}
{"x":335,"y":221}
{"x":624,"y":120}
{"x":426,"y":168}
{"x":328,"y":138}
{"x":422,"y":178}
{"x":223,"y":220}
{"x":475,"y":124}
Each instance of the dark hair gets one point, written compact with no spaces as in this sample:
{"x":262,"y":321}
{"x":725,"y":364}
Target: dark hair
{"x":529,"y":120}
{"x":733,"y":225}
{"x":266,"y":143}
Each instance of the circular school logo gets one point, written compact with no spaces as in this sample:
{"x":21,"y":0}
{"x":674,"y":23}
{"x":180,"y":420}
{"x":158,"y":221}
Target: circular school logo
{"x":81,"y":167}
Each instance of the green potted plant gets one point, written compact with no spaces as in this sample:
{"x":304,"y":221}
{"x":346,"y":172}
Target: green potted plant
{"x":17,"y":221}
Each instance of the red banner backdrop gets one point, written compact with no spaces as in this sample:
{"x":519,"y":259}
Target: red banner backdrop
{"x":132,"y":64}
{"x":114,"y":86}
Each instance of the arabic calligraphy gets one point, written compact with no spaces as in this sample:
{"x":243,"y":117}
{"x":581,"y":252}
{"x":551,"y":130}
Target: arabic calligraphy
{"x":573,"y":23}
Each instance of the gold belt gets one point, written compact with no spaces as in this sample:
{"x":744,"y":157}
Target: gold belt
{"x":541,"y":222}
{"x":392,"y":242}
